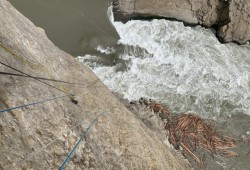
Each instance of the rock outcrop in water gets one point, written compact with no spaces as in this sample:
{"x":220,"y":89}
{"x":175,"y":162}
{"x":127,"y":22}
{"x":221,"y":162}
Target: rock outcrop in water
{"x":231,"y":18}
{"x":41,"y":136}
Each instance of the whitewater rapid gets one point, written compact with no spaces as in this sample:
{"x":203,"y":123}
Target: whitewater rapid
{"x":186,"y":68}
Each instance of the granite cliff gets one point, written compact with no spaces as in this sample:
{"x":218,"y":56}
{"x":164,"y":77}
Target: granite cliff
{"x":230,"y":18}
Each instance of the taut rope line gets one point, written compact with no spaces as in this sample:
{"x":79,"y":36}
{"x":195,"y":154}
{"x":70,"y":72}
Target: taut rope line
{"x":85,"y":132}
{"x":33,"y":65}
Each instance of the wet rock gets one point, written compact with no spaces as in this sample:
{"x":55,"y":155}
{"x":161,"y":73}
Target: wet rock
{"x":231,"y":18}
{"x":238,"y":29}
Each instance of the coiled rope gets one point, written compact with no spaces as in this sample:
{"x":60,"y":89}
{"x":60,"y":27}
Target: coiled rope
{"x":85,"y":132}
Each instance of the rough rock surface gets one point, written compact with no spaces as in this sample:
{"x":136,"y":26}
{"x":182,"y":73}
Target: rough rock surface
{"x":231,"y":18}
{"x":41,"y":136}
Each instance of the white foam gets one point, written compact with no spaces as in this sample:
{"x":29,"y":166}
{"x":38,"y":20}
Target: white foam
{"x":105,"y":50}
{"x":90,"y":60}
{"x":188,"y":68}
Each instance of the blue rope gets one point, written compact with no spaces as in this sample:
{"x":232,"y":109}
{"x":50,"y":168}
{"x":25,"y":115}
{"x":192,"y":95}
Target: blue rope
{"x":33,"y":103}
{"x":85,"y":132}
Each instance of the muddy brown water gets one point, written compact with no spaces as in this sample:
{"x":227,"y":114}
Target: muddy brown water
{"x":76,"y":26}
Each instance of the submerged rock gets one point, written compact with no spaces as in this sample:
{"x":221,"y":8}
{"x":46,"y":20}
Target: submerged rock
{"x":231,"y":18}
{"x":41,"y":136}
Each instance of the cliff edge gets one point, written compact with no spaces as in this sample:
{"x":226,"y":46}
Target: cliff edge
{"x":230,"y":18}
{"x":40,"y":136}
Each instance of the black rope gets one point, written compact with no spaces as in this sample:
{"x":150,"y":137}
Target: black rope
{"x":35,"y":78}
{"x":40,"y":78}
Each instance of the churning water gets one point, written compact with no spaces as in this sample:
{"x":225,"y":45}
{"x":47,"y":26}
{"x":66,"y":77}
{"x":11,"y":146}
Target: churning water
{"x":186,"y":68}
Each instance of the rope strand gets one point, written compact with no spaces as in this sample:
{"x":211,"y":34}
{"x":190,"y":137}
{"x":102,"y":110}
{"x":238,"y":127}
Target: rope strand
{"x":34,"y":78}
{"x":85,"y":132}
{"x":32,"y":103}
{"x":31,"y":64}
{"x":23,"y":74}
{"x":40,"y":78}
{"x":47,"y":145}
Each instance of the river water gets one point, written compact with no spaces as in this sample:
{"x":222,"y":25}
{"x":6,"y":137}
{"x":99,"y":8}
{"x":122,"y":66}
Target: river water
{"x":186,"y":68}
{"x":76,"y":26}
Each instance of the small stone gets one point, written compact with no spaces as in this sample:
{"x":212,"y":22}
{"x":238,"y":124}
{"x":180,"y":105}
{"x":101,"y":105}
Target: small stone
{"x":72,"y":140}
{"x":65,"y":135}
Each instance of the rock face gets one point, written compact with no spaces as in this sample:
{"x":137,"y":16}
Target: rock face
{"x":231,"y":18}
{"x":41,"y":136}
